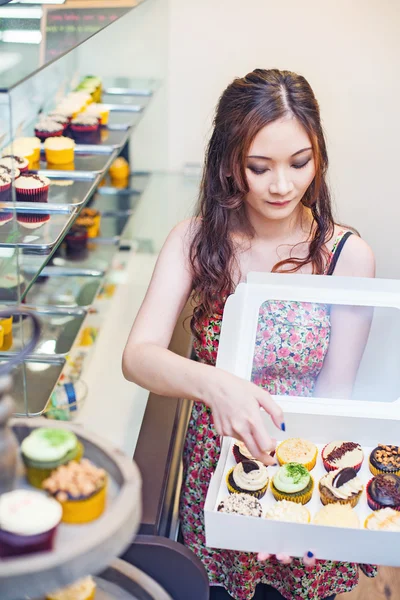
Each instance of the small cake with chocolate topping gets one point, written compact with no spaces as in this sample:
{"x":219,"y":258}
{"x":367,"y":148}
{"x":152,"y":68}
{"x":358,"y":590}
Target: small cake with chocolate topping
{"x":385,"y":459}
{"x":80,"y":487}
{"x":241,"y":504}
{"x":248,"y":477}
{"x":384,"y":491}
{"x":16,"y":164}
{"x":341,"y":486}
{"x":337,"y":455}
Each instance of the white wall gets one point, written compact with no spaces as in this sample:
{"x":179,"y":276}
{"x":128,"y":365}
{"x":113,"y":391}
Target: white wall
{"x":349,"y":52}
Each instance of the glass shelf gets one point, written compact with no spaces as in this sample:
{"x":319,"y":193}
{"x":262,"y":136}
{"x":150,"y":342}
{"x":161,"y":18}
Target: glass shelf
{"x":52,"y":32}
{"x":56,"y":288}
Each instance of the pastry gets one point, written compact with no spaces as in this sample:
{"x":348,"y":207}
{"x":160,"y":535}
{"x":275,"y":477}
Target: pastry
{"x":30,"y":187}
{"x":48,"y":128}
{"x":58,"y":118}
{"x":28,"y":147}
{"x":385,"y":519}
{"x":59,"y":150}
{"x":81,"y":489}
{"x":248,"y":477}
{"x":84,"y":123}
{"x":76,"y":242}
{"x":5,"y":187}
{"x":100,"y":111}
{"x":28,"y":522}
{"x":342,"y":454}
{"x":11,"y":172}
{"x":119,"y":169}
{"x":90,"y":219}
{"x":342,"y":486}
{"x":84,"y":589}
{"x":385,"y":459}
{"x":284,"y":510}
{"x":17,"y":164}
{"x":241,"y":504}
{"x":45,"y":449}
{"x":384,"y":491}
{"x":296,"y":450}
{"x":337,"y":515}
{"x":292,"y":482}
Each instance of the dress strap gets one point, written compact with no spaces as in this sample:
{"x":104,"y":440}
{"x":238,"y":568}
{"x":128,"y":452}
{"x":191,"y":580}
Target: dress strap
{"x":336,"y":251}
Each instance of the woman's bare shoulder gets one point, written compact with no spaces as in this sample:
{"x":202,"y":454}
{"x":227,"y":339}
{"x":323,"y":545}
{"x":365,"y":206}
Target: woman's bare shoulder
{"x":357,"y":258}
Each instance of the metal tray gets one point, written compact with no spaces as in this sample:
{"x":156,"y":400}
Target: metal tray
{"x":137,"y":183}
{"x":123,"y":116}
{"x":55,"y":288}
{"x":70,"y":188}
{"x":60,"y":327}
{"x":79,"y":549}
{"x":92,"y":157}
{"x":42,"y":239}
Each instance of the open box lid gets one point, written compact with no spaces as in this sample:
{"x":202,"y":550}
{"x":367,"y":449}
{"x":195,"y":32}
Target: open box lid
{"x":376,"y":391}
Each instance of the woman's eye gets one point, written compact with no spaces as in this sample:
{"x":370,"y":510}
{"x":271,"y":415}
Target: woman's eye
{"x":258,"y":171}
{"x":302,"y":165}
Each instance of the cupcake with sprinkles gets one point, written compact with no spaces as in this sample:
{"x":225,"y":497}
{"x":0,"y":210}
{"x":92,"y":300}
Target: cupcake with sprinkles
{"x":11,"y":172}
{"x":292,"y":482}
{"x":338,"y":454}
{"x":241,"y":504}
{"x":385,"y":459}
{"x":383,"y":491}
{"x":17,"y":164}
{"x":297,"y":450}
{"x":31,"y":187}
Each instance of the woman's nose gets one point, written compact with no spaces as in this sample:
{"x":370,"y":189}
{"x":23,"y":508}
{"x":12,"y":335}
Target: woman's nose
{"x":282,"y":185}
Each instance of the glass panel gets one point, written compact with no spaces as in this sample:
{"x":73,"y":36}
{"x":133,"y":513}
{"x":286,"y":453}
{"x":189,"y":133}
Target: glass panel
{"x":337,"y":351}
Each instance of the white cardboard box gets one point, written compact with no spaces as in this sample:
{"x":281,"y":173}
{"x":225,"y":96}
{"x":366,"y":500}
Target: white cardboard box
{"x":367,"y":421}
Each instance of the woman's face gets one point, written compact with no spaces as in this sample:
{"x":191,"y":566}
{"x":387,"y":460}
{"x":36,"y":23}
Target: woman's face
{"x":280,"y":167}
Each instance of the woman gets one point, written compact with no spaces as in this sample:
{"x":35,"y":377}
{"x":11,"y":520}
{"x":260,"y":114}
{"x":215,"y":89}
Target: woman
{"x":264,"y":206}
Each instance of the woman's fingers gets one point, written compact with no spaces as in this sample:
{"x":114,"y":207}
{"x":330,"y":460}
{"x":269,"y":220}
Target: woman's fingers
{"x":309,"y":559}
{"x":261,"y":556}
{"x":271,"y":407}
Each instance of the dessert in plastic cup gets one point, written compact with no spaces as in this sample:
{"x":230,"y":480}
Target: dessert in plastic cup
{"x":297,"y":450}
{"x":285,"y":510}
{"x":45,"y":449}
{"x":385,"y":459}
{"x":292,"y":482}
{"x":339,"y":454}
{"x":48,"y":128}
{"x":28,"y":522}
{"x":337,"y":515}
{"x":248,"y":477}
{"x":59,"y":150}
{"x":342,"y":486}
{"x":14,"y":164}
{"x":84,"y":589}
{"x":81,"y":489}
{"x":241,"y":504}
{"x":383,"y":491}
{"x":385,"y":519}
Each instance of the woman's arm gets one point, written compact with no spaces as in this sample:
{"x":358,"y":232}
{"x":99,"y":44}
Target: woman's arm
{"x":350,"y":326}
{"x":235,"y":403}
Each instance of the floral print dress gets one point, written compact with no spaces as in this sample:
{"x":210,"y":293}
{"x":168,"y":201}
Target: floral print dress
{"x":291,"y":343}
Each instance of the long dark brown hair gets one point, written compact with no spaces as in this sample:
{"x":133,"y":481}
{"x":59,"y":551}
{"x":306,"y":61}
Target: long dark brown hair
{"x":245,"y":107}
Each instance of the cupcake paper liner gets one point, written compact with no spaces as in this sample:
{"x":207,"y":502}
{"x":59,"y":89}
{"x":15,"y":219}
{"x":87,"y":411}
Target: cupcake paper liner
{"x":375,"y":505}
{"x":5,"y":217}
{"x":33,"y":195}
{"x":375,"y":471}
{"x":6,"y":192}
{"x":309,"y":466}
{"x":84,"y":128}
{"x":30,"y":219}
{"x":327,"y":499}
{"x":43,"y":135}
{"x":85,"y":510}
{"x":234,"y":489}
{"x":302,"y":497}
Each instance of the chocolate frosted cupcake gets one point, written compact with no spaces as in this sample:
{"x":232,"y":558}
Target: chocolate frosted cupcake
{"x":248,"y":477}
{"x":15,"y":163}
{"x":76,"y":242}
{"x":341,"y":486}
{"x":241,"y":504}
{"x":383,"y":491}
{"x":385,"y":459}
{"x":338,"y":455}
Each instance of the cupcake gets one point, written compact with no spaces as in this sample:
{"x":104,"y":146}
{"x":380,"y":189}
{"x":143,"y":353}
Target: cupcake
{"x":59,"y":150}
{"x":63,"y":110}
{"x":284,"y":510}
{"x":28,"y":522}
{"x":119,"y":169}
{"x":384,"y":491}
{"x":5,"y":187}
{"x":48,"y":128}
{"x":76,"y":242}
{"x":342,"y":454}
{"x":100,"y":111}
{"x":337,"y":515}
{"x":45,"y":449}
{"x":296,"y":450}
{"x":248,"y":477}
{"x":28,"y":147}
{"x":16,"y":164}
{"x":84,"y":589}
{"x":11,"y":172}
{"x":385,"y":519}
{"x":90,"y":219}
{"x":31,"y":187}
{"x":58,"y":118}
{"x":84,"y":124}
{"x":241,"y":504}
{"x":240,"y":452}
{"x":385,"y":459}
{"x":292,"y":482}
{"x":341,"y":486}
{"x":81,"y":489}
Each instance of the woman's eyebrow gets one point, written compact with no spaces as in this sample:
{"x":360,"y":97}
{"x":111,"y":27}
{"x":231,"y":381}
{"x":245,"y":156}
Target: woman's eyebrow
{"x":268,"y":158}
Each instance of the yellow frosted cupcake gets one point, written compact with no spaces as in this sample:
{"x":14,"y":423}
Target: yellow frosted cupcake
{"x":337,"y":515}
{"x":341,"y":486}
{"x":296,"y":450}
{"x":28,"y":147}
{"x":285,"y":510}
{"x":59,"y":150}
{"x":84,"y":589}
{"x":292,"y":482}
{"x":248,"y":477}
{"x":119,"y":169}
{"x":81,"y":489}
{"x":385,"y":519}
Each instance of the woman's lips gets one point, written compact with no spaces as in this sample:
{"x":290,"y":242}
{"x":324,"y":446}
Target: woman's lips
{"x":279,"y":204}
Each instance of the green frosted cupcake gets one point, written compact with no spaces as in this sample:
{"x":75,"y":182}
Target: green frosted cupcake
{"x":45,"y":449}
{"x":292,"y":482}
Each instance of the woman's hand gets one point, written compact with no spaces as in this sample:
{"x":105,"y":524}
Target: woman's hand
{"x":235,"y":404}
{"x":308,"y":559}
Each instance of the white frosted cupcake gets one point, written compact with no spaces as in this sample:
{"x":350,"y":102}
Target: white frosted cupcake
{"x":14,"y":164}
{"x":29,"y":147}
{"x":248,"y":477}
{"x":385,"y":519}
{"x":284,"y":510}
{"x":337,"y":515}
{"x":241,"y":504}
{"x":31,"y":187}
